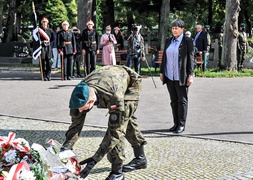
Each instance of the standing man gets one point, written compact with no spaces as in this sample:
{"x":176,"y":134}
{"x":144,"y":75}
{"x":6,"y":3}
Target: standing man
{"x":78,"y":56}
{"x":200,"y":42}
{"x":176,"y":72}
{"x":46,"y":51}
{"x":118,"y":89}
{"x":220,"y":43}
{"x":57,"y":57}
{"x":243,"y":45}
{"x":135,"y":49}
{"x":67,"y":48}
{"x":90,"y":46}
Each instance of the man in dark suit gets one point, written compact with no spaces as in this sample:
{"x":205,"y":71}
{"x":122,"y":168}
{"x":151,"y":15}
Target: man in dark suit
{"x":46,"y":51}
{"x":176,"y":72}
{"x":200,"y":42}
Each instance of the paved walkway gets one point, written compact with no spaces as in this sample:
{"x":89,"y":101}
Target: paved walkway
{"x":169,"y":157}
{"x":220,"y":116}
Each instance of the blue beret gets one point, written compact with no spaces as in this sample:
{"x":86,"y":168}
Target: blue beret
{"x":242,"y":25}
{"x":207,"y":26}
{"x":79,"y":96}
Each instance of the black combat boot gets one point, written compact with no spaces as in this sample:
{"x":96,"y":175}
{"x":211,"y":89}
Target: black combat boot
{"x":116,"y":173}
{"x":139,"y":162}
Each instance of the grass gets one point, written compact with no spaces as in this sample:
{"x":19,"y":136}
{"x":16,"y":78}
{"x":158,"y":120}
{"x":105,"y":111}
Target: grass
{"x":217,"y":73}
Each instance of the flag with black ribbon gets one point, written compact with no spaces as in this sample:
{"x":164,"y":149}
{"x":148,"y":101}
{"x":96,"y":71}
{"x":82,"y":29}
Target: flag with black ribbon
{"x":35,"y":35}
{"x":37,"y":32}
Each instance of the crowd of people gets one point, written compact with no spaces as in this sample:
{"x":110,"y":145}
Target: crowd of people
{"x":70,"y":48}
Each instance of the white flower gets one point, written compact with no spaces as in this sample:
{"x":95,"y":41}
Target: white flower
{"x":10,"y":157}
{"x":26,"y":175}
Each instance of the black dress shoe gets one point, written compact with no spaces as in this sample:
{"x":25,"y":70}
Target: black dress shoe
{"x":179,"y":129}
{"x":68,"y":78}
{"x":174,"y":128}
{"x":115,"y":176}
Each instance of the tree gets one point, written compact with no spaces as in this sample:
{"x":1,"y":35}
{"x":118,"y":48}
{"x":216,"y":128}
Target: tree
{"x":164,"y":19}
{"x":229,"y":55}
{"x":56,"y":12}
{"x":71,"y":7}
{"x":84,"y":12}
{"x":108,"y":13}
{"x":10,"y":22}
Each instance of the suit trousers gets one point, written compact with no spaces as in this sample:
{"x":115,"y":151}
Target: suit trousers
{"x":90,"y":61}
{"x":179,"y":101}
{"x":68,"y":65}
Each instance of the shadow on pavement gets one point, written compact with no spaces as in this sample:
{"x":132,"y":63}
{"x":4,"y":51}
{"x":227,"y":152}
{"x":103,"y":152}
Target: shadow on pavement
{"x":42,"y":136}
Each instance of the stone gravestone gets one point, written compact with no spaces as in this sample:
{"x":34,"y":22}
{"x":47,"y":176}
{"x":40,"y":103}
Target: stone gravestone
{"x":213,"y":55}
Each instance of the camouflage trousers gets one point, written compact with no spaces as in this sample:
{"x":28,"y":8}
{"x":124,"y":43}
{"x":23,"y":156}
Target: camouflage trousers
{"x":240,"y":60}
{"x":121,"y":126}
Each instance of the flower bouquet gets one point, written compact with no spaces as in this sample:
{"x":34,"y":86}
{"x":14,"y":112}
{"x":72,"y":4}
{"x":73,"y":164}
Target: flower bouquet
{"x":19,"y":161}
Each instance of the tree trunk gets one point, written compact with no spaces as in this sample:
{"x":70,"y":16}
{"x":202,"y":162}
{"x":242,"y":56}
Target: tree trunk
{"x":229,"y":55}
{"x":84,"y":12}
{"x":1,"y":16}
{"x":108,"y":14}
{"x":10,"y":21}
{"x":164,"y":19}
{"x":130,"y":20}
{"x":210,"y":12}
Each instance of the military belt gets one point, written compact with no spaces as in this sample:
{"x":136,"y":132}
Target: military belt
{"x":69,"y":42}
{"x":93,"y":42}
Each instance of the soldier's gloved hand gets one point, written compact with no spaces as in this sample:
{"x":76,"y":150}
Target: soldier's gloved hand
{"x":90,"y":164}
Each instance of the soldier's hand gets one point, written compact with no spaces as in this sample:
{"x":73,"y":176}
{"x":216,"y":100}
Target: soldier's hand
{"x":84,"y":52}
{"x":143,"y":58}
{"x":97,"y":51}
{"x":90,"y":164}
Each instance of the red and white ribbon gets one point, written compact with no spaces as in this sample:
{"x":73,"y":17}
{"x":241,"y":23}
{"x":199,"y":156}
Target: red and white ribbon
{"x":10,"y":140}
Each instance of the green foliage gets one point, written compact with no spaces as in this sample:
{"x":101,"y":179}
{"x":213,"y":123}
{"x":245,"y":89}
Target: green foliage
{"x":71,"y":6}
{"x":56,"y":12}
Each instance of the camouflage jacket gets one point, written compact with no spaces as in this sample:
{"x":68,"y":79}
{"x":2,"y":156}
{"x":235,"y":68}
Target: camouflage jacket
{"x":133,"y":42}
{"x":220,"y":39}
{"x":208,"y":42}
{"x":114,"y":85}
{"x":242,"y":42}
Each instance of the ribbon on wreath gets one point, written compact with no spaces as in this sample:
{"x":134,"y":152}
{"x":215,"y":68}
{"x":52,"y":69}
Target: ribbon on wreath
{"x":16,"y":143}
{"x":15,"y":170}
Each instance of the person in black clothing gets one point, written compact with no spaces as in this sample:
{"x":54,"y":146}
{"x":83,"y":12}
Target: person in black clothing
{"x":90,"y":46}
{"x":46,"y":51}
{"x":78,"y":56}
{"x":67,"y":47}
{"x":200,"y":42}
{"x":176,"y":72}
{"x":119,"y":38}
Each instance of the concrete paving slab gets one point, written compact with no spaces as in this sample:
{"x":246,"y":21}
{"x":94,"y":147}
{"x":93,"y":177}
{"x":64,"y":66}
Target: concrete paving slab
{"x":219,"y":108}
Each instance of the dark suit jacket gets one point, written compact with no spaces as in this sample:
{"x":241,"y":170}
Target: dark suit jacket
{"x":201,"y":42}
{"x":86,"y":38}
{"x":185,"y":60}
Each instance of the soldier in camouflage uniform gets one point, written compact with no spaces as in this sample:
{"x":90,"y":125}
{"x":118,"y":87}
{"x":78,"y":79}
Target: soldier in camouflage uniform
{"x":242,"y":47}
{"x":207,"y":30}
{"x":220,"y":43}
{"x":116,"y":88}
{"x":135,"y":49}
